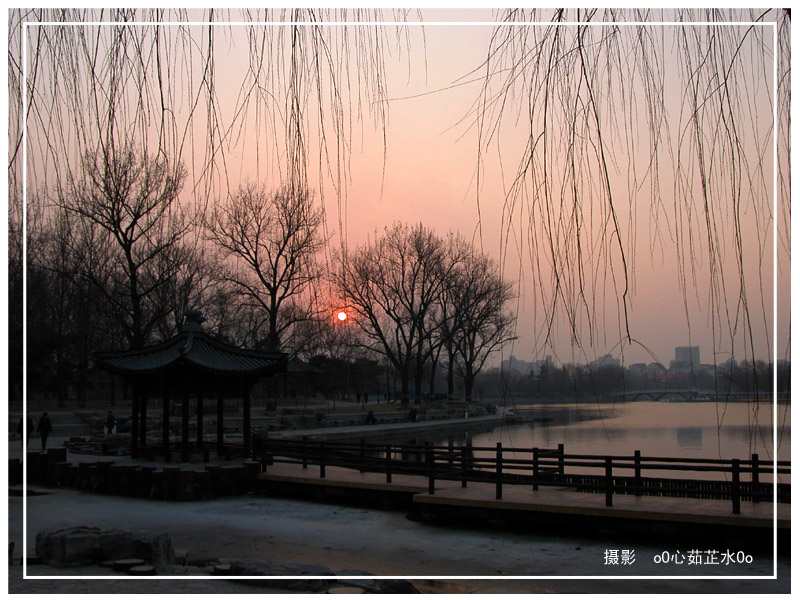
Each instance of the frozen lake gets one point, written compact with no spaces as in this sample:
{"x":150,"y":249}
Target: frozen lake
{"x":669,"y":429}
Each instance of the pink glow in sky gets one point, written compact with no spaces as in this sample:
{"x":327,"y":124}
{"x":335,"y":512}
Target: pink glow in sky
{"x":424,"y":170}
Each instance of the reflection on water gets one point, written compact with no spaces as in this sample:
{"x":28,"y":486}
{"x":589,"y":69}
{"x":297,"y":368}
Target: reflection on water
{"x":690,"y":437}
{"x":681,"y":430}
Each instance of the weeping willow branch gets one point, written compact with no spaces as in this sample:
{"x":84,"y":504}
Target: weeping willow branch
{"x":165,"y":79}
{"x":624,"y":121}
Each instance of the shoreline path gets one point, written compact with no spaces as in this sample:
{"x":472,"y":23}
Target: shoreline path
{"x":380,"y":541}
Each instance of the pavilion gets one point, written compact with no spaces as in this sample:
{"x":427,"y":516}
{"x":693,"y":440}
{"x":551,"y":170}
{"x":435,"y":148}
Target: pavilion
{"x":189,"y":365}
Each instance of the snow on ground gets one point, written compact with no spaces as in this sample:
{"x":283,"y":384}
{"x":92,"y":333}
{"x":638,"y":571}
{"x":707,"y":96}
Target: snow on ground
{"x":383,"y":542}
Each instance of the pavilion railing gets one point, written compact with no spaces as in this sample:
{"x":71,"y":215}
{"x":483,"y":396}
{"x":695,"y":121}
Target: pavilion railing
{"x":736,"y":480}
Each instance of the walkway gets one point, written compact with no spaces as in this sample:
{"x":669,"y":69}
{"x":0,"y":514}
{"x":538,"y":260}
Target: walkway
{"x":549,"y":502}
{"x":387,"y":429}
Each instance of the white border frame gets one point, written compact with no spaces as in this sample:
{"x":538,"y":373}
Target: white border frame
{"x":774,"y":26}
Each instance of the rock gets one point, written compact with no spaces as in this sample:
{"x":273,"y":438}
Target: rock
{"x":194,"y":570}
{"x":126,"y":564}
{"x":181,"y":557}
{"x":90,"y":545}
{"x":158,"y":550}
{"x":375,"y":586}
{"x":142,"y":570}
{"x":83,"y":545}
{"x":239,"y":567}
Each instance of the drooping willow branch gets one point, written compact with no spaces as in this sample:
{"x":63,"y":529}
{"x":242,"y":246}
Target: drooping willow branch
{"x":640,"y":137}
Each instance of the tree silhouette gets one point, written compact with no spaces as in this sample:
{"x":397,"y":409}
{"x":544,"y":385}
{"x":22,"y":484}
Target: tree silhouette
{"x":270,"y":241}
{"x":609,"y":154}
{"x":391,"y":286}
{"x":484,"y":323}
{"x":130,"y":201}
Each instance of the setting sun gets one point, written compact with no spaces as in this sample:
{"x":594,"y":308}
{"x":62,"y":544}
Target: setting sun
{"x":342,"y":315}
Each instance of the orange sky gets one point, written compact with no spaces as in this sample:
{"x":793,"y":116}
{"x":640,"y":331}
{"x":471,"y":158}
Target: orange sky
{"x":429,"y":177}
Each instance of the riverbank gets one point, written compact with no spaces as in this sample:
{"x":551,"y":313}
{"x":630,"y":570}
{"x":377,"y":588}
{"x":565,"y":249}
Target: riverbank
{"x":390,"y":430}
{"x":379,"y":541}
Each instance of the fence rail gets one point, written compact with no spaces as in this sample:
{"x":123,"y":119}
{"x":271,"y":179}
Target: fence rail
{"x":609,"y":475}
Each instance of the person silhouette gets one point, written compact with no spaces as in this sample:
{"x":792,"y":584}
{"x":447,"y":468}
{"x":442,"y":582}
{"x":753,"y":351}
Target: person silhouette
{"x":110,"y":424}
{"x":44,"y":428}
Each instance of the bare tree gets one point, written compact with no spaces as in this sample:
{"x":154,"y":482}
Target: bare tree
{"x":483,"y":323}
{"x":584,"y":90}
{"x":270,"y":241}
{"x":446,"y":317}
{"x":129,"y":201}
{"x":192,"y":286}
{"x":391,"y":285}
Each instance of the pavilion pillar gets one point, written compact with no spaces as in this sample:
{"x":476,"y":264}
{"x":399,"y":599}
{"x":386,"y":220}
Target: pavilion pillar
{"x":246,"y":420}
{"x":199,"y":419}
{"x":142,"y":393}
{"x":135,"y":423}
{"x":165,"y":422}
{"x":185,"y":425}
{"x":220,"y":425}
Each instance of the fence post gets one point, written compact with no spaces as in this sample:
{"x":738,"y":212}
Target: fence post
{"x":755,"y":478}
{"x":361,"y":456}
{"x":322,"y":460}
{"x":561,"y":459}
{"x":388,"y":463}
{"x":463,"y":466}
{"x":609,"y":482}
{"x":498,"y":494}
{"x":305,"y":451}
{"x":535,"y":468}
{"x":737,"y":509}
{"x":637,"y":475}
{"x":431,"y":474}
{"x":450,"y":452}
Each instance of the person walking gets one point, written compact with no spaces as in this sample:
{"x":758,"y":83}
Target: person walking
{"x":111,"y":423}
{"x":44,"y":428}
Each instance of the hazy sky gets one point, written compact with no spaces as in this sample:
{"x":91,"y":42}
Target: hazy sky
{"x":430,"y":177}
{"x":423,"y":170}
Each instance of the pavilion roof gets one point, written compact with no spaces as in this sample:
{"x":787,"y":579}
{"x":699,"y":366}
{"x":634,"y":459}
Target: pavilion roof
{"x":195,"y":349}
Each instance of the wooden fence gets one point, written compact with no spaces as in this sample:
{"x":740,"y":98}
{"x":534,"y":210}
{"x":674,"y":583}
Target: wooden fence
{"x":740,"y":479}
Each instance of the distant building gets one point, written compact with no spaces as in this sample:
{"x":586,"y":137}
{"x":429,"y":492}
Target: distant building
{"x":604,"y":361}
{"x":689,"y":355}
{"x":513,"y":364}
{"x":537,"y":365}
{"x":655,"y":369}
{"x":640,"y":368}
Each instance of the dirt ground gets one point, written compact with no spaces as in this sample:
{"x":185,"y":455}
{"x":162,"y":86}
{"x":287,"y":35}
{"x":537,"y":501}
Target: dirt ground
{"x":383,"y":542}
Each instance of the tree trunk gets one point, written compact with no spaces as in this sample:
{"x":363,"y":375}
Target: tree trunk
{"x":451,"y":386}
{"x":418,"y":377}
{"x":432,"y":385}
{"x":469,"y":381}
{"x":404,"y":381}
{"x":273,"y":341}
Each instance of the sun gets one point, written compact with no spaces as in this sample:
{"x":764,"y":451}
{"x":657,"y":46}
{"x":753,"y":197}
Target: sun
{"x":342,"y":315}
